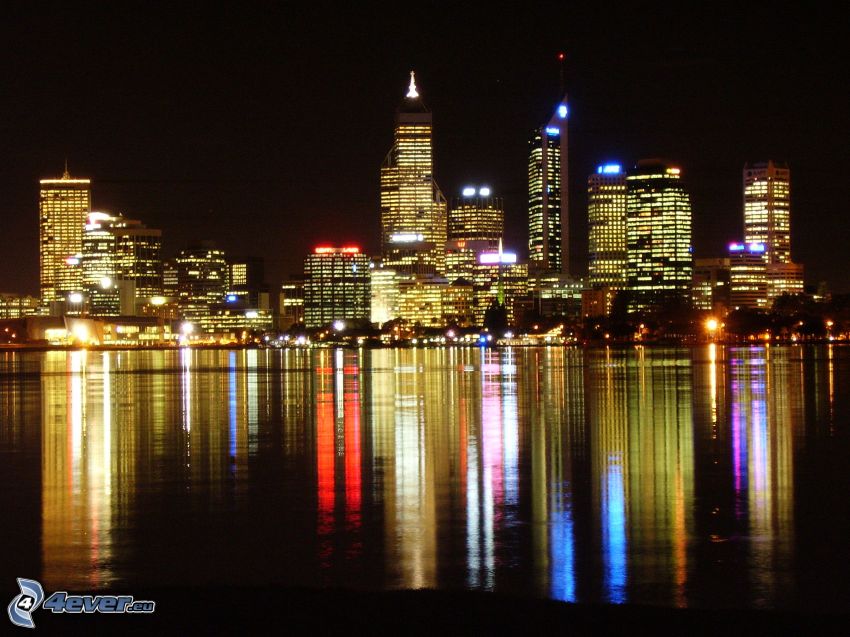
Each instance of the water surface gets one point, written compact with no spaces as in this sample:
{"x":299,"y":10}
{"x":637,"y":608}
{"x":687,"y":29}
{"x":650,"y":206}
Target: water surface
{"x":706,"y":477}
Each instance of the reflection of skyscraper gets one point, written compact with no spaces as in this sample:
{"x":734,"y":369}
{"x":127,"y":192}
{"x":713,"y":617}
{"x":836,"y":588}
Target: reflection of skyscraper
{"x":413,"y":209}
{"x":660,"y":457}
{"x":548,"y":205}
{"x":762,"y":392}
{"x":658,"y":226}
{"x":607,"y":422}
{"x":63,"y":205}
{"x":556,"y":431}
{"x":84,"y":485}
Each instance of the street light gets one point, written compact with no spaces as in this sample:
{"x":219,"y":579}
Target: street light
{"x":339,"y":325}
{"x":186,"y":328}
{"x":711,"y":325}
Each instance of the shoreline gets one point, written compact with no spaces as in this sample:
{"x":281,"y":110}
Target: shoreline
{"x":21,"y":347}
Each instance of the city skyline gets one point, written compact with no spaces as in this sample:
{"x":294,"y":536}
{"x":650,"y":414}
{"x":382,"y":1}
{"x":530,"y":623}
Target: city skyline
{"x":177,"y":197}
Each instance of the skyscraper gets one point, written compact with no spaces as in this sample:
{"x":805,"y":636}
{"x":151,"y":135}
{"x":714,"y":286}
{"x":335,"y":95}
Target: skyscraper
{"x":202,"y":275}
{"x":767,"y":221}
{"x":477,"y":216}
{"x":658,"y":234}
{"x":336,"y":286}
{"x":548,"y":211}
{"x":413,"y":209}
{"x":767,"y":209}
{"x":606,"y":217}
{"x":63,"y":206}
{"x":748,"y":275}
{"x":121,"y":264}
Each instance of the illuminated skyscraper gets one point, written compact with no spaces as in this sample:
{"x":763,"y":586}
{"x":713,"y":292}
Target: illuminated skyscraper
{"x":658,"y":234}
{"x":413,"y":209}
{"x":63,"y":206}
{"x":767,"y":209}
{"x":336,"y":286}
{"x":477,"y":216}
{"x":121,"y":264}
{"x":767,"y":220}
{"x":747,"y":275}
{"x":606,"y":217}
{"x":548,"y":213}
{"x":202,"y":275}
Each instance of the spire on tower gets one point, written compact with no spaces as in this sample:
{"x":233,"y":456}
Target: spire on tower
{"x":66,"y":174}
{"x":561,"y":57}
{"x":411,"y":90}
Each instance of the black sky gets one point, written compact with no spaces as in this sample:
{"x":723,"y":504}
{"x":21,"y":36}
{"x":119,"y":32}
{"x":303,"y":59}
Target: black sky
{"x":263,"y":125}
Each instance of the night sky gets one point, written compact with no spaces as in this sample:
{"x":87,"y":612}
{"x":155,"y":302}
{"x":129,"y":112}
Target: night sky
{"x":263,"y":126}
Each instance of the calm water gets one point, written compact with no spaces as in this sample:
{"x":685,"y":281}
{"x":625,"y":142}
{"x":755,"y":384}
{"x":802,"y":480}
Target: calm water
{"x":703,"y":477}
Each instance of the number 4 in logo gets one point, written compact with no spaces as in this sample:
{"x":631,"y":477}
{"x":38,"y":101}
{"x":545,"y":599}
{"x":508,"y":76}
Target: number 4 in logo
{"x":26,"y":602}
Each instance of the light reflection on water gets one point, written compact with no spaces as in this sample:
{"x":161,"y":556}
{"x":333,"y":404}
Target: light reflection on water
{"x":634,"y":475}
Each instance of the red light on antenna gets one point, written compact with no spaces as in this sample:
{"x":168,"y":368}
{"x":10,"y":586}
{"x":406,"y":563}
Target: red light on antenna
{"x":561,"y":56}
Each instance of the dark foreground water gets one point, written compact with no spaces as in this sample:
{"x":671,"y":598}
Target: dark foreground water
{"x":707,"y":477}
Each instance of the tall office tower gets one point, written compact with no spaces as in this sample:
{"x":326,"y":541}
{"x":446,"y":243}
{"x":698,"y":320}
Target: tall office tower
{"x":63,"y":206}
{"x":767,"y":209}
{"x":767,"y":220}
{"x":336,"y":286}
{"x":121,"y":264}
{"x":747,"y":275}
{"x":413,"y":209}
{"x":201,"y":279}
{"x":606,"y":217}
{"x":477,"y":216}
{"x":658,"y":235}
{"x":548,"y":196}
